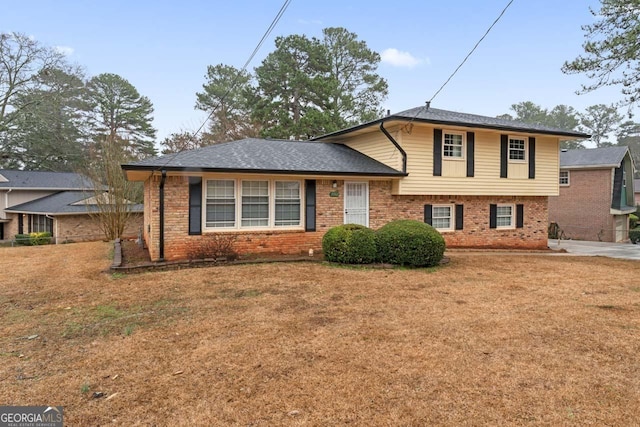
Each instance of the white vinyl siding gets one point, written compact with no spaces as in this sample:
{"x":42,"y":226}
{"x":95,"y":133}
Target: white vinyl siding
{"x":486,"y":180}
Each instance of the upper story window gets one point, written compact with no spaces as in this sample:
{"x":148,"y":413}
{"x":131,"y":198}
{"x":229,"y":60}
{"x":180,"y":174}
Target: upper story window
{"x":564,"y":177}
{"x":517,"y":148}
{"x":453,"y":143}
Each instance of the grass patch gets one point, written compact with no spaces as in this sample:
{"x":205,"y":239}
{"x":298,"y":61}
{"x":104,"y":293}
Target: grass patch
{"x":239,"y":293}
{"x":106,"y":320}
{"x":500,"y":340}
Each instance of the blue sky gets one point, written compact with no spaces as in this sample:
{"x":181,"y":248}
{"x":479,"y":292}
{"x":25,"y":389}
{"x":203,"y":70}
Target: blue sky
{"x":163,"y":47}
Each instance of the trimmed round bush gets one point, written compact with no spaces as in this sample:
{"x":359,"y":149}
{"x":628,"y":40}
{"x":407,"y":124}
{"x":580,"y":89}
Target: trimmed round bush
{"x":350,"y":244}
{"x":411,"y":243}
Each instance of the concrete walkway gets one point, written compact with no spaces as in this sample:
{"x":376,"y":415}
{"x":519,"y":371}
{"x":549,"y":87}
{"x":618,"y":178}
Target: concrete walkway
{"x":612,"y":250}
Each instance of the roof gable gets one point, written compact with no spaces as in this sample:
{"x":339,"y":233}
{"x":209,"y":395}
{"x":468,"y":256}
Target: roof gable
{"x":605,"y":157}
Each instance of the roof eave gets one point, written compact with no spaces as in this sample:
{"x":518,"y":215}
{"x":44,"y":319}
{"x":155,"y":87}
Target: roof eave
{"x":55,"y":189}
{"x":590,"y":166}
{"x":575,"y":135}
{"x":147,"y":168}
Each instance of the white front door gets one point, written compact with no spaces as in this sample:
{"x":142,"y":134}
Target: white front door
{"x":356,"y":203}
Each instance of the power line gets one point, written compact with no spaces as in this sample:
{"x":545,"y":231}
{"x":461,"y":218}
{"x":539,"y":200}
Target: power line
{"x":266,"y":34}
{"x":273,"y":24}
{"x":470,"y":52}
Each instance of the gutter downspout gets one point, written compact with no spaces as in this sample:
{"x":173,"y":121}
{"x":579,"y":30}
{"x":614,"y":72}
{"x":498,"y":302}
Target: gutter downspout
{"x":395,"y":143}
{"x":162,"y":180}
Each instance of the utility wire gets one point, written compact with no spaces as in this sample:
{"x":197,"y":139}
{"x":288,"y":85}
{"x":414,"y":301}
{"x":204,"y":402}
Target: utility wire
{"x":275,"y":21}
{"x":266,"y":34}
{"x":470,"y":52}
{"x":428,"y":103}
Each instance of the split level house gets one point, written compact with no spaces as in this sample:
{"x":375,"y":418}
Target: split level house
{"x":60,"y":203}
{"x":483,"y":182}
{"x":596,"y":194}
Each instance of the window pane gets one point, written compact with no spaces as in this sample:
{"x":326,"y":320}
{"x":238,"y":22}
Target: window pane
{"x":452,"y":145}
{"x":516,"y":149}
{"x":221,"y":203}
{"x":441,"y":223}
{"x":441,"y":217}
{"x":287,"y":203}
{"x":564,"y":177}
{"x":255,"y":203}
{"x":504,"y":216}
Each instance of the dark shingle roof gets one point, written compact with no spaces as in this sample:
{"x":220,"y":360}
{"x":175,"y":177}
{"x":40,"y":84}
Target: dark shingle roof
{"x":453,"y":118}
{"x":43,"y":180}
{"x":62,"y":203}
{"x":254,"y":155}
{"x":593,"y":157}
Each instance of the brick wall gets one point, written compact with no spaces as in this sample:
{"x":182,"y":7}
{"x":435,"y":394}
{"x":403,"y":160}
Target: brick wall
{"x":83,"y":228}
{"x":476,"y":233}
{"x":383,"y":208}
{"x":582,"y":208}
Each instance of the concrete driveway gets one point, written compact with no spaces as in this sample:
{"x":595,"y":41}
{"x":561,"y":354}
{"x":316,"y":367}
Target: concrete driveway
{"x":612,"y":250}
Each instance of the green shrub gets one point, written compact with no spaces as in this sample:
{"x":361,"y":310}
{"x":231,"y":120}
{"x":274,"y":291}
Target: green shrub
{"x":43,"y":238}
{"x":350,"y":244}
{"x":409,"y":242}
{"x":23,"y":239}
{"x":633,"y":221}
{"x":634,"y":235}
{"x":33,"y":239}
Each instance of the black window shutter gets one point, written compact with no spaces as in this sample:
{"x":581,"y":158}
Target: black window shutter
{"x":310,"y":205}
{"x":617,"y":188}
{"x":428,"y":214}
{"x":493,"y":216}
{"x":20,"y":224}
{"x":437,"y":152}
{"x":195,"y":205}
{"x":532,"y":157}
{"x":459,"y":217}
{"x":29,"y":222}
{"x":519,"y":216}
{"x":504,"y":154}
{"x":471,"y":149}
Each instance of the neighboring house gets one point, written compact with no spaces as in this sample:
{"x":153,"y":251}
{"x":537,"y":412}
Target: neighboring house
{"x":596,"y":194}
{"x":483,"y":182}
{"x":56,"y":202}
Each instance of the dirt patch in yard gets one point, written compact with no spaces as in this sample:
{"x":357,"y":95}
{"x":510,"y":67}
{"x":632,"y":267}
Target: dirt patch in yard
{"x":489,"y":340}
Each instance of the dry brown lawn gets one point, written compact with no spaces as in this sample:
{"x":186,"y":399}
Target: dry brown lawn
{"x":488,"y":339}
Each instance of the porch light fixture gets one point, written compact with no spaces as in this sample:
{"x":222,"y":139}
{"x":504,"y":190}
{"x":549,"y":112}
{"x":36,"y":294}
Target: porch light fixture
{"x":334,"y":184}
